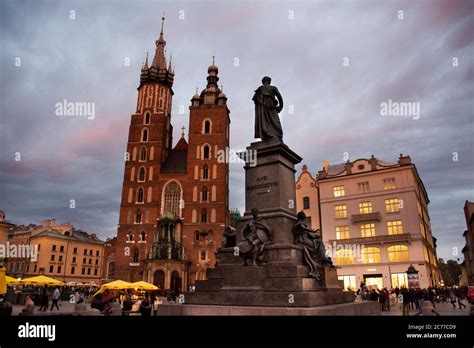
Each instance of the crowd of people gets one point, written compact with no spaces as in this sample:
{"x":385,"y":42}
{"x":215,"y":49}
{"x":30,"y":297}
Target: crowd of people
{"x":412,"y":299}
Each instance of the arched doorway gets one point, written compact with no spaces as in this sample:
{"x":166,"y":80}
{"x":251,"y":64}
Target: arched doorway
{"x":176,"y":282}
{"x":159,"y":281}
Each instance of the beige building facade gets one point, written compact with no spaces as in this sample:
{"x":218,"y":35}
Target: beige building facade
{"x":374,"y":220}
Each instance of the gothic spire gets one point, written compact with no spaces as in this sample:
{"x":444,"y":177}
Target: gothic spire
{"x":159,"y":61}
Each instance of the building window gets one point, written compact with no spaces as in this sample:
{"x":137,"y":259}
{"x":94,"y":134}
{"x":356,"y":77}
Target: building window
{"x":111,"y":273}
{"x":144,"y":135}
{"x":389,"y":184}
{"x":340,"y":211}
{"x":367,"y":230}
{"x":147,"y":118}
{"x":140,"y":195}
{"x":342,"y":232}
{"x":59,"y":269}
{"x":365,"y":207}
{"x":205,"y":172}
{"x":73,"y":270}
{"x":204,"y":194}
{"x":90,"y":261}
{"x":95,"y":272}
{"x":207,"y":127}
{"x":349,"y":282}
{"x":143,"y":154}
{"x":84,"y":260}
{"x":392,"y":205}
{"x":54,"y":247}
{"x":196,"y":236}
{"x":306,"y":203}
{"x":60,"y":258}
{"x":203,"y":255}
{"x":172,"y":198}
{"x":96,"y":262}
{"x":363,"y":186}
{"x":395,"y":227}
{"x":397,"y":253}
{"x":203,"y":216}
{"x":344,"y":257}
{"x":138,"y":217}
{"x":135,"y":256}
{"x":51,"y":269}
{"x":142,"y":236}
{"x":83,"y":271}
{"x":61,"y":248}
{"x":370,"y":255}
{"x":399,"y":280}
{"x":141,"y":174}
{"x":35,"y":268}
{"x":206,"y":152}
{"x":339,"y":191}
{"x":88,"y":271}
{"x":74,"y":259}
{"x":74,"y":251}
{"x":85,"y":251}
{"x":130,"y":237}
{"x":97,"y":253}
{"x":53,"y":257}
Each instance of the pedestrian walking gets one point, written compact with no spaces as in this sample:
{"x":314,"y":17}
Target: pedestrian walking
{"x":56,"y":297}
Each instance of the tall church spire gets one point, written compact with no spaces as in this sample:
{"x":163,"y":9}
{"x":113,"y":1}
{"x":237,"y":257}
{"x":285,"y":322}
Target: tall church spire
{"x":159,"y":61}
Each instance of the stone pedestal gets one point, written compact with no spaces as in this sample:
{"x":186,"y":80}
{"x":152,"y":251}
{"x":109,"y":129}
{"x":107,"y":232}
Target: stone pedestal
{"x":282,"y":282}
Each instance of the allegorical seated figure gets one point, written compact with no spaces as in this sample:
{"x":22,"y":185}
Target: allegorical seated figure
{"x":229,"y":237}
{"x":314,"y":250}
{"x":255,"y":235}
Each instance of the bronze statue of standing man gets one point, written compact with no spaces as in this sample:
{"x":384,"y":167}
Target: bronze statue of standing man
{"x":268,"y":104}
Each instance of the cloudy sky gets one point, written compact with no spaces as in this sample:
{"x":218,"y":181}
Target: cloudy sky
{"x":406,"y":51}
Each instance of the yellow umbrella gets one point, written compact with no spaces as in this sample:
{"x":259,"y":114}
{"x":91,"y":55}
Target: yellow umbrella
{"x":41,"y":280}
{"x":143,"y":286}
{"x":3,"y":282}
{"x":11,"y":280}
{"x":116,"y":285}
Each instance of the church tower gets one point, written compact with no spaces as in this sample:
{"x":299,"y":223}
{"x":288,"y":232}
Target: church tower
{"x":207,"y":195}
{"x":148,"y":147}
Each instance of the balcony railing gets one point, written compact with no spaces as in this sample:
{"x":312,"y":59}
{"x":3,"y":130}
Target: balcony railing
{"x":366,"y":217}
{"x":165,"y":250}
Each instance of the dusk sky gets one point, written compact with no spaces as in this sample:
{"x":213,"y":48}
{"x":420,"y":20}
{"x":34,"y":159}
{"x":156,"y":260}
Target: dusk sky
{"x":426,"y":57}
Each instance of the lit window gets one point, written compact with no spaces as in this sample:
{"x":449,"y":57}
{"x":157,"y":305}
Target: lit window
{"x":389,"y":184}
{"x":367,"y":230}
{"x":306,"y":203}
{"x":342,"y":232}
{"x":340,"y":211}
{"x":339,"y":191}
{"x":349,"y":282}
{"x":365,"y":207}
{"x":397,"y":253}
{"x":344,"y":257}
{"x":399,"y":280}
{"x":363,"y":187}
{"x":392,"y":205}
{"x":395,"y":227}
{"x":370,"y":255}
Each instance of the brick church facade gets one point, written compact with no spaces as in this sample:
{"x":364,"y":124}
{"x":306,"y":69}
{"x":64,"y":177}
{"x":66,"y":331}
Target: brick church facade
{"x":174,"y":199}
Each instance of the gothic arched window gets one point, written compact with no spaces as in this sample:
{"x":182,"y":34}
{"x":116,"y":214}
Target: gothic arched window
{"x":207,"y":127}
{"x":140,"y":195}
{"x":143,"y":154}
{"x":205,"y":152}
{"x":204,"y":216}
{"x":172,"y":196}
{"x":141,"y":174}
{"x":205,"y":172}
{"x":204,"y":194}
{"x":145,"y":134}
{"x":138,"y":217}
{"x":147,"y":118}
{"x":135,"y":255}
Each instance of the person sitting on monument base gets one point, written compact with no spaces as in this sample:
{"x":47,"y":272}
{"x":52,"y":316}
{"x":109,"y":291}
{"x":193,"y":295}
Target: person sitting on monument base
{"x":313,"y":246}
{"x":255,"y":235}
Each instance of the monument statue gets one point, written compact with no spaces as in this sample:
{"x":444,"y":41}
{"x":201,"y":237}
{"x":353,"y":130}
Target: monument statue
{"x":268,"y":104}
{"x":255,"y":235}
{"x":229,"y":237}
{"x":314,"y":250}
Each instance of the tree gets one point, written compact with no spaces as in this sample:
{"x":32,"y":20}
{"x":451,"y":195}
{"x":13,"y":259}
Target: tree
{"x":450,"y":271}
